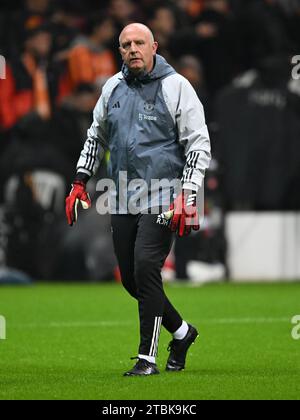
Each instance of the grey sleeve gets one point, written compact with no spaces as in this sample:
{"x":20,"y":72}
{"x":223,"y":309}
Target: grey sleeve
{"x":97,"y":136}
{"x":188,"y":114}
{"x":96,"y":143}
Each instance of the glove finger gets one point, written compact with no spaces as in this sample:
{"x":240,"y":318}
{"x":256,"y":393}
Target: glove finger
{"x":69,"y":206}
{"x":85,"y":204}
{"x":75,"y":212}
{"x":187,"y":230}
{"x":190,"y":211}
{"x":168,"y":215}
{"x":195,"y":222}
{"x":85,"y":201}
{"x":174,"y":222}
{"x":181,"y":228}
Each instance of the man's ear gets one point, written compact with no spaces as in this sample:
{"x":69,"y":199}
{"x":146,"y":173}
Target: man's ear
{"x":121,"y":51}
{"x":154,"y":47}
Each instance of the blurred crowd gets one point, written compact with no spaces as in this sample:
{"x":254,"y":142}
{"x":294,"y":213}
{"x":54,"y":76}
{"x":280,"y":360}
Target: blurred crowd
{"x":59,"y":53}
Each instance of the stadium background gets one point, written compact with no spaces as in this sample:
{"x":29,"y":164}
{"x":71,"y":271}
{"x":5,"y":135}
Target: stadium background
{"x":238,"y":56}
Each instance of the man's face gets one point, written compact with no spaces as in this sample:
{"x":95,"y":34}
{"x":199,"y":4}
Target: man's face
{"x":40,"y":44}
{"x":137,"y":49}
{"x":106,"y":31}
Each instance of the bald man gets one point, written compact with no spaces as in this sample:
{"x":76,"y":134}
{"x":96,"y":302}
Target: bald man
{"x":152,"y":122}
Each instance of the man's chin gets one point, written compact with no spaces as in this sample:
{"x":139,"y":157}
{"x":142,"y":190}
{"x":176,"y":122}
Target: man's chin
{"x":136,"y":69}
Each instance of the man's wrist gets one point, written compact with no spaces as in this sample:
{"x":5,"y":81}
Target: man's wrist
{"x":81,"y":177}
{"x":186,"y":192}
{"x":190,"y":186}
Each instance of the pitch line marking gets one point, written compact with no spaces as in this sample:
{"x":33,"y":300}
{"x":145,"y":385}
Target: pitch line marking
{"x":97,"y":324}
{"x":246,"y":321}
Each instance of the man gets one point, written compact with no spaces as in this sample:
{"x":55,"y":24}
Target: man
{"x":26,"y":89}
{"x":153,"y":124}
{"x":89,"y":60}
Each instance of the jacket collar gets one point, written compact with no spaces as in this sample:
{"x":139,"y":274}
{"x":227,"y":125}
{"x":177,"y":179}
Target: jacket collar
{"x":160,"y":69}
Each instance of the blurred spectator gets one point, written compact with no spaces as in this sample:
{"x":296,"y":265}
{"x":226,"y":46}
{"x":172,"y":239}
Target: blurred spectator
{"x":31,"y":15}
{"x":258,"y":139}
{"x":163,"y":26}
{"x":123,"y":12}
{"x":191,"y":7}
{"x":30,"y":85}
{"x":37,"y":6}
{"x":291,"y":9}
{"x":61,"y":138}
{"x":71,"y":122}
{"x":66,"y":24}
{"x":214,"y":39}
{"x":191,"y":68}
{"x":289,"y":6}
{"x":264,"y":31}
{"x":34,"y":225}
{"x":89,"y":59}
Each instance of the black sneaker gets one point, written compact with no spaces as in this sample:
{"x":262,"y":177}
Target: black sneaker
{"x":178,"y":350}
{"x":142,"y":367}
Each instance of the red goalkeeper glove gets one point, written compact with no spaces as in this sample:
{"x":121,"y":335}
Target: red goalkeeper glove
{"x":77,"y":193}
{"x":185,"y":213}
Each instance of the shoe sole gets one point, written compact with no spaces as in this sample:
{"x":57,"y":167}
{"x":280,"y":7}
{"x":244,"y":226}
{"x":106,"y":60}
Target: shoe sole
{"x":179,"y":369}
{"x":137,"y":374}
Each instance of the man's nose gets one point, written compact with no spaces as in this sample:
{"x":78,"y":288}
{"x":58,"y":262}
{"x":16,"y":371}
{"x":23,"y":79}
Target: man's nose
{"x":132,"y":47}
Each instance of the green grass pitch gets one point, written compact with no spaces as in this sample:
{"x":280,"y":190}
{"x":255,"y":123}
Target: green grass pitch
{"x":75,"y":341}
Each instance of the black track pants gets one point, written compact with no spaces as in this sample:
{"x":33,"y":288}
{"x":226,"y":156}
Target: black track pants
{"x":141,"y":247}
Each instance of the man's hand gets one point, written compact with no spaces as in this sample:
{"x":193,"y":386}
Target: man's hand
{"x":77,"y":193}
{"x":185,"y":216}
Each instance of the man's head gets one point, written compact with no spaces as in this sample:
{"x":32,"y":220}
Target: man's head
{"x":101,"y":29}
{"x":38,"y":41}
{"x":191,"y":68}
{"x":164,"y":21}
{"x":137,"y":47}
{"x":37,"y":6}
